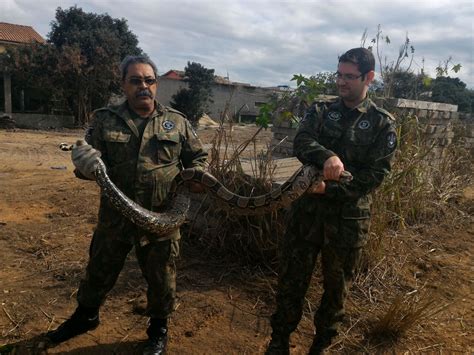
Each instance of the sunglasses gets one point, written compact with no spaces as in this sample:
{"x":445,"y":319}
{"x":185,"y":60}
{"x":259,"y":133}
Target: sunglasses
{"x":139,"y":81}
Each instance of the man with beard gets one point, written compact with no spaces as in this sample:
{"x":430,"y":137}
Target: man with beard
{"x":351,"y":134}
{"x":144,"y":145}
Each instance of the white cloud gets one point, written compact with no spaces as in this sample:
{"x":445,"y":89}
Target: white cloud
{"x":266,"y":42}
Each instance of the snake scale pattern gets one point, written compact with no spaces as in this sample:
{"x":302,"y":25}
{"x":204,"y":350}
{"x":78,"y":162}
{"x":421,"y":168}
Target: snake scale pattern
{"x":174,"y":214}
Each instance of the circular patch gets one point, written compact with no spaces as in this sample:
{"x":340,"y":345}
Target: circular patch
{"x":364,"y":124}
{"x":334,"y":115}
{"x":391,"y":140}
{"x":168,"y":125}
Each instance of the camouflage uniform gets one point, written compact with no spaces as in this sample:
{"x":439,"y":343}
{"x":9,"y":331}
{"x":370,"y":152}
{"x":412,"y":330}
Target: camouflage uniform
{"x":336,"y":223}
{"x":142,"y":159}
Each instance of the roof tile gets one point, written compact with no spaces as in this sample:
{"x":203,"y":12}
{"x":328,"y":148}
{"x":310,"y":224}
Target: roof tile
{"x":19,"y":34}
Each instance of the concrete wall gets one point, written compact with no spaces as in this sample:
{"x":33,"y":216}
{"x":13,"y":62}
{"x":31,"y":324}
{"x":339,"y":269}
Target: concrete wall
{"x":441,"y":125}
{"x":241,"y":97}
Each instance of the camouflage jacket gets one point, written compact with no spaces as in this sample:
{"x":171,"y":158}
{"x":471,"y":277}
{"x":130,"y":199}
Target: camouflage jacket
{"x":144,"y":168}
{"x":364,"y":138}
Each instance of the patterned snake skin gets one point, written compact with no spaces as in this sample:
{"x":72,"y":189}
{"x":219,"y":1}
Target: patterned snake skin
{"x":175,"y":211}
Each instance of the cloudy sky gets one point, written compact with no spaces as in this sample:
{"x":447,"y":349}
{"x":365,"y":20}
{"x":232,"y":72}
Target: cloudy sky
{"x":265,"y":42}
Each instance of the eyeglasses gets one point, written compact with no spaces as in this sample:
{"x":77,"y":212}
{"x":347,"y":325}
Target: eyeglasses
{"x":348,"y":77}
{"x":139,"y":81}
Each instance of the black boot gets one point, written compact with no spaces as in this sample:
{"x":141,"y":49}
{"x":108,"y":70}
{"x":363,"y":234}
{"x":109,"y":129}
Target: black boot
{"x":82,"y":320}
{"x":279,"y":345}
{"x":157,"y":337}
{"x":321,"y":342}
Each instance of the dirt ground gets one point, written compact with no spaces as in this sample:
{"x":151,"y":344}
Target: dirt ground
{"x":46,"y":221}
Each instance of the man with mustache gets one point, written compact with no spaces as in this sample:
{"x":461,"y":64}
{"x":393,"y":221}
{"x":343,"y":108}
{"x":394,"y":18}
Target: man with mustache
{"x":351,"y":134}
{"x":144,"y":145}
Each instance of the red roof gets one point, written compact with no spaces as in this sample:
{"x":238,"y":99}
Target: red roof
{"x":174,"y":74}
{"x":19,"y":34}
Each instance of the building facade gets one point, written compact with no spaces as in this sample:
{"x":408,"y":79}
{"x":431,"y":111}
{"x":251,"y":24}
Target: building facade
{"x":12,"y":35}
{"x":241,"y":100}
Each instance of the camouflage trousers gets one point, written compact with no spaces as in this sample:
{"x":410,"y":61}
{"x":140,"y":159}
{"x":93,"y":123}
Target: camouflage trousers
{"x":109,"y":248}
{"x":315,"y":228}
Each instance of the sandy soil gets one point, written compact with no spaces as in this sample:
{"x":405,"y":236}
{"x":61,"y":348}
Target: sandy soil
{"x":46,"y":220}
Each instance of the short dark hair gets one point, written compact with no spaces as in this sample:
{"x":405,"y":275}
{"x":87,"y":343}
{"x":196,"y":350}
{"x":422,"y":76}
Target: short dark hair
{"x":136,"y":59}
{"x":362,"y":57}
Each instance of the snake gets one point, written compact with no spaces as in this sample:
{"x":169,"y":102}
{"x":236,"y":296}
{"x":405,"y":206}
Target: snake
{"x":173,"y":215}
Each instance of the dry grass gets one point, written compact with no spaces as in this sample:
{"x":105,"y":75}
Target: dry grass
{"x":415,"y":194}
{"x":404,"y":314}
{"x":251,"y":239}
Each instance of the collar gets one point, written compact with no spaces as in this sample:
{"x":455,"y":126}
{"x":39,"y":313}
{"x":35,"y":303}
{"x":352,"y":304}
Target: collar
{"x":362,"y":107}
{"x":124,"y":112}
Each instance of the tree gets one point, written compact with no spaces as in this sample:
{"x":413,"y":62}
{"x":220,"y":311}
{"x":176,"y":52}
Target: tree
{"x":89,"y":48}
{"x":193,"y":101}
{"x":406,"y":84}
{"x":29,"y":66}
{"x":79,"y":64}
{"x":452,"y":91}
{"x":291,"y":105}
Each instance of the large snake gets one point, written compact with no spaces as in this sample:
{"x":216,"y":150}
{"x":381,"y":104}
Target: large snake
{"x":174,"y":214}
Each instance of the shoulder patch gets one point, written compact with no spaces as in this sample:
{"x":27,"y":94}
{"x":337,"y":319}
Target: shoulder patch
{"x":168,"y":125}
{"x":391,"y":141}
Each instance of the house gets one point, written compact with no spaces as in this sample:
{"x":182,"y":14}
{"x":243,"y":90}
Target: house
{"x":242,"y":100}
{"x":173,"y":74}
{"x":23,"y":108}
{"x":13,"y":35}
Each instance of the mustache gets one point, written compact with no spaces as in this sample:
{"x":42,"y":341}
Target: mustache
{"x":145,"y":93}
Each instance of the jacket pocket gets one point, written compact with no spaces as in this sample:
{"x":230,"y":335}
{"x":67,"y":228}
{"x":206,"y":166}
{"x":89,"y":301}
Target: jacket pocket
{"x":116,"y":137}
{"x":168,"y":147}
{"x":116,"y":142}
{"x":358,"y":144}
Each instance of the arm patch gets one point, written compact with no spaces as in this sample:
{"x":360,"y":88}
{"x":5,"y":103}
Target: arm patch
{"x":391,"y":141}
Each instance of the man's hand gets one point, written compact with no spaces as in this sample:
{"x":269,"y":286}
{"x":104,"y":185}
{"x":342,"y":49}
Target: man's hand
{"x":84,"y":158}
{"x":333,"y":168}
{"x":195,"y":187}
{"x":317,"y":189}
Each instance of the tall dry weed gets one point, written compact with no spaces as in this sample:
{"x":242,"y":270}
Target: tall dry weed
{"x":418,"y":191}
{"x":403,"y":315}
{"x":246,"y":170}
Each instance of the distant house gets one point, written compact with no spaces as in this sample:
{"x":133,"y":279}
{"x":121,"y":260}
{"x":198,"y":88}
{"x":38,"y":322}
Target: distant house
{"x":173,"y":74}
{"x":13,"y":35}
{"x":242,"y":100}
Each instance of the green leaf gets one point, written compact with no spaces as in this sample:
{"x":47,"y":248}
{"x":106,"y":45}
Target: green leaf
{"x":427,"y":81}
{"x":456,"y":68}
